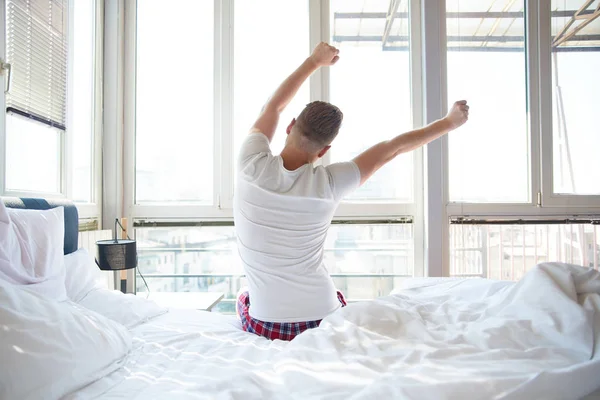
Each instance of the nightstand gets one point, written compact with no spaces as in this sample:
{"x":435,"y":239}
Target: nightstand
{"x":187,"y":300}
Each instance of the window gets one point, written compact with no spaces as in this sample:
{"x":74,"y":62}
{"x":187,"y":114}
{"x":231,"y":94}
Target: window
{"x":30,"y":144}
{"x":35,"y":102}
{"x":372,"y":86}
{"x":488,"y":157}
{"x":369,"y":260}
{"x":174,"y":114}
{"x":193,"y":109}
{"x":262,"y":60}
{"x":256,"y":48}
{"x":190,"y":259}
{"x":82,"y":99}
{"x":490,"y":65}
{"x":507,"y":251}
{"x":365,"y":260}
{"x":575,"y":86}
{"x":49,"y":133}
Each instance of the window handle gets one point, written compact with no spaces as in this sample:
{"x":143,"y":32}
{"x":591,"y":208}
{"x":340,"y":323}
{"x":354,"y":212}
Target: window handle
{"x":6,"y":67}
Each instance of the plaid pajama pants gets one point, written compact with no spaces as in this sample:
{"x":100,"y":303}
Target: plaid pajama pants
{"x":274,"y":330}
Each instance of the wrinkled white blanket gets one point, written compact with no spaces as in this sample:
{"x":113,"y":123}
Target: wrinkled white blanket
{"x":471,"y":339}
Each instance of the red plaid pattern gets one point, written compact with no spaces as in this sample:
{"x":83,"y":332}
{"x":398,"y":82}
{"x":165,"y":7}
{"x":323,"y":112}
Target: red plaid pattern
{"x":274,"y":330}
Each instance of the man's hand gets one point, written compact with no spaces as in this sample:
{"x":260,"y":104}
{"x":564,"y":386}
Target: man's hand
{"x":266,"y":123}
{"x":377,"y":156}
{"x":458,"y":114}
{"x":325,"y":55}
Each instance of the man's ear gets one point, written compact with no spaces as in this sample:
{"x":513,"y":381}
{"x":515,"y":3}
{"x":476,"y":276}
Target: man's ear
{"x":323,"y":151}
{"x":290,"y":126}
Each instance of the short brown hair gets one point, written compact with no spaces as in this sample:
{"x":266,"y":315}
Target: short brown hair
{"x":320,"y":123}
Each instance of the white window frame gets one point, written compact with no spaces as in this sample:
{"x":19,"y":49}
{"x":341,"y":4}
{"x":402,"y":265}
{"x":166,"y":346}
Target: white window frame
{"x":3,"y":101}
{"x":223,"y":104}
{"x":33,"y":193}
{"x":113,"y":141}
{"x":63,"y":168}
{"x":589,"y":203}
{"x":93,"y":208}
{"x":357,"y":211}
{"x":543,"y":202}
{"x":320,"y":90}
{"x":85,"y":210}
{"x":222,"y":209}
{"x":431,"y":210}
{"x":455,"y":208}
{"x":436,"y":243}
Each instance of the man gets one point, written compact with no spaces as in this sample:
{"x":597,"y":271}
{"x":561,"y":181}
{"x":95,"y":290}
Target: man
{"x":284,"y":204}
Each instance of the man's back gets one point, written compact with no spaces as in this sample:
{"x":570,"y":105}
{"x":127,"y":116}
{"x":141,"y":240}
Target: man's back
{"x":282,"y":215}
{"x":282,"y":218}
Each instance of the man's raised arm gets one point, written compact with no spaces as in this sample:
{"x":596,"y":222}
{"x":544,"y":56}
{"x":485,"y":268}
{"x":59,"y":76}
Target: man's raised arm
{"x":323,"y":55}
{"x":377,"y":156}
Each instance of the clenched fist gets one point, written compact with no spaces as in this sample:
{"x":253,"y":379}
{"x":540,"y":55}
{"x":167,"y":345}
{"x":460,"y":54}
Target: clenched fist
{"x":325,"y":55}
{"x":458,"y":114}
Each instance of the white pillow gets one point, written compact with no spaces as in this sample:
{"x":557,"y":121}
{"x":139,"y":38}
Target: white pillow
{"x":82,"y":275}
{"x":127,"y":309}
{"x":50,"y":349}
{"x":32,"y":253}
{"x":83,"y":287}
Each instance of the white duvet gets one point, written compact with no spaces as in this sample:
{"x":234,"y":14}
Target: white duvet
{"x":471,"y":339}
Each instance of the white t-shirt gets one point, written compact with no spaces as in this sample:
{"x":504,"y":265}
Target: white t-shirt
{"x":281,"y":220}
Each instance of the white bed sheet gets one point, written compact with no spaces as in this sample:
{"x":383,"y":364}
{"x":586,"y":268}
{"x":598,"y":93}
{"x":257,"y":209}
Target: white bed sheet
{"x":471,"y":339}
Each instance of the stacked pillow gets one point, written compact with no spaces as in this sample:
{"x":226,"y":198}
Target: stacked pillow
{"x":83,"y":286}
{"x":59,"y":329}
{"x":50,"y":349}
{"x":32,"y":255}
{"x":31,"y":250}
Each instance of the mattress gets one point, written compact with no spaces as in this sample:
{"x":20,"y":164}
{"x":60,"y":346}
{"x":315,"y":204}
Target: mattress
{"x":476,"y":339}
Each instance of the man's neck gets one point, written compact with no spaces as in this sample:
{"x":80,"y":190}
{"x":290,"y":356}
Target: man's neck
{"x":294,"y":158}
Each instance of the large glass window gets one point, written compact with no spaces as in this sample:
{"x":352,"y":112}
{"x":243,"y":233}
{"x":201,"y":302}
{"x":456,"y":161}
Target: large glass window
{"x":365,"y":260}
{"x":508,"y":251}
{"x":369,"y":260}
{"x":489,"y":156}
{"x":182,"y":157}
{"x":35,"y":94}
{"x":174,"y":101}
{"x":30,"y":144}
{"x":575,"y":56}
{"x":82,"y":100}
{"x":371,"y":85}
{"x":190,"y":259}
{"x":271,"y":40}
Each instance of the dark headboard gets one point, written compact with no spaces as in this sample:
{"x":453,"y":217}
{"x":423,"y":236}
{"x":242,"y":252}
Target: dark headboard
{"x":71,"y":216}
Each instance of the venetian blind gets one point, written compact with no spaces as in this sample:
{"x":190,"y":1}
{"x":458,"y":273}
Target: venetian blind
{"x":36,"y":49}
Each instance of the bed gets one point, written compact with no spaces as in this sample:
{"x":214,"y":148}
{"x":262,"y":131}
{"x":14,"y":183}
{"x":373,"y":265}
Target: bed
{"x":538,"y":338}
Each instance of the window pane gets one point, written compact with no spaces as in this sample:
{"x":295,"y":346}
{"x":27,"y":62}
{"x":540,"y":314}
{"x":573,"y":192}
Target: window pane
{"x":356,"y":254}
{"x":509,"y":251}
{"x":263,"y":59}
{"x":33,"y":155}
{"x":576,"y":84}
{"x":82,"y":106}
{"x":174,"y":101}
{"x":366,"y":260}
{"x":371,"y":85}
{"x":489,"y":156}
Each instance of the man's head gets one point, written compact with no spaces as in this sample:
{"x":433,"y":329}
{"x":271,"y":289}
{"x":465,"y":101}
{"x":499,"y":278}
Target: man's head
{"x":316,"y":127}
